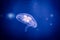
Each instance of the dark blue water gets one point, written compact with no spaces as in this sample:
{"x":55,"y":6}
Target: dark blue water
{"x":48,"y":27}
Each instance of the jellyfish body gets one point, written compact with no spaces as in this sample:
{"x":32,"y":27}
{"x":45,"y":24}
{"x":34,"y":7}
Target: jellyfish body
{"x":27,"y":19}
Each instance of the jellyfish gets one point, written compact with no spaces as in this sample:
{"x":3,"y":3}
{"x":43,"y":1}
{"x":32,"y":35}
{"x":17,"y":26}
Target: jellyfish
{"x":27,"y":19}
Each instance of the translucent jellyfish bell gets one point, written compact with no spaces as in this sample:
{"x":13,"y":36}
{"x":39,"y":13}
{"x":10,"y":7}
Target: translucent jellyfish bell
{"x":27,"y":19}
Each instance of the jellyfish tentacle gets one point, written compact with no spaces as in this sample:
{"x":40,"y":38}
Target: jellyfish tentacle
{"x":26,"y":28}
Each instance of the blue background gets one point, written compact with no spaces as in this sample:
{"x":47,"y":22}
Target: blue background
{"x":12,"y":29}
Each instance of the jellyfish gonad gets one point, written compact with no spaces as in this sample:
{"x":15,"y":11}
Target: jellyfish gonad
{"x":27,"y":19}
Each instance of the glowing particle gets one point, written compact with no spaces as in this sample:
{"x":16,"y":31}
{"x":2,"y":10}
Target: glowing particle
{"x":51,"y":24}
{"x":11,"y":15}
{"x":51,"y":15}
{"x":46,"y":19}
{"x":27,"y":19}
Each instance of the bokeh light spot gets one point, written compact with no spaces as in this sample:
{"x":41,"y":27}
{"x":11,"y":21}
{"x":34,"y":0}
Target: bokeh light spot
{"x":11,"y":15}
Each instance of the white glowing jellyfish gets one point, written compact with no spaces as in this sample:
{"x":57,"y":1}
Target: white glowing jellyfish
{"x":27,"y":19}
